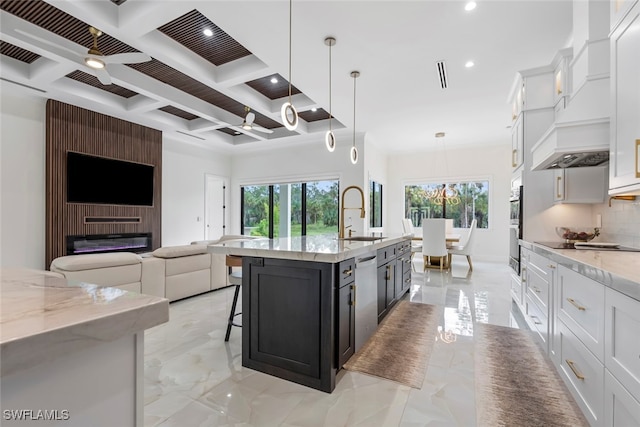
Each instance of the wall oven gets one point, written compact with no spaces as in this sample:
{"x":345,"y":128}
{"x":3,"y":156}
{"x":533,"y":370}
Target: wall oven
{"x":515,"y":228}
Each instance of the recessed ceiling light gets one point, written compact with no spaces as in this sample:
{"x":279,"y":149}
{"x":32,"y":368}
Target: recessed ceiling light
{"x":274,"y":80}
{"x":469,"y":64}
{"x":237,"y":133}
{"x":314,"y":109}
{"x":207,"y":32}
{"x":470,"y":6}
{"x":439,"y":134}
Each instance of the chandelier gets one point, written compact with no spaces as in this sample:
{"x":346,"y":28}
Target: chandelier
{"x":448,"y":195}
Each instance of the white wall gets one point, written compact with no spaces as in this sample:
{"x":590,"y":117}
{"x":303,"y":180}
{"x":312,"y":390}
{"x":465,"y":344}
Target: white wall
{"x":297,"y":162}
{"x":492,"y":163}
{"x":375,"y":168}
{"x":183,"y":189}
{"x":22,"y":180}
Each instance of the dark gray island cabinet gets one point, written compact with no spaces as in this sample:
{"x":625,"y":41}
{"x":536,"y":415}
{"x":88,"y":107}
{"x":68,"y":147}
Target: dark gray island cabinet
{"x":298,"y":304}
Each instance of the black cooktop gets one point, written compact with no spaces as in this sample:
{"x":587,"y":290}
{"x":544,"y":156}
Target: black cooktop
{"x":563,"y":245}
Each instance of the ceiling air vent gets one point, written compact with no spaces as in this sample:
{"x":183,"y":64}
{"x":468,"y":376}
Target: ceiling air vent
{"x":442,"y":74}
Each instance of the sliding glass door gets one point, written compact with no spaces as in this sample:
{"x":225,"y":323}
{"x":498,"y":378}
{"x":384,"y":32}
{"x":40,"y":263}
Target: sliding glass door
{"x":290,"y":209}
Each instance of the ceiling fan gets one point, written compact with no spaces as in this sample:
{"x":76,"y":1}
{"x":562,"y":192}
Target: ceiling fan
{"x":95,"y":59}
{"x":248,"y":123}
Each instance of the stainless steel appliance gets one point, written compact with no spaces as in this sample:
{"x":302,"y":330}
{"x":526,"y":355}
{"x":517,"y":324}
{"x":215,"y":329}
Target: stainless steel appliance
{"x":366,"y":304}
{"x":515,"y":227}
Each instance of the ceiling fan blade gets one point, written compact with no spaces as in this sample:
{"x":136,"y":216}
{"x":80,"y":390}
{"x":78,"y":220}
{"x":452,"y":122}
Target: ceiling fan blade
{"x":126,"y":58}
{"x":261,"y":129}
{"x":250,"y":118}
{"x":103,"y":76}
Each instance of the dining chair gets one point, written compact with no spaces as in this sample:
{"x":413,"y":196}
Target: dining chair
{"x":466,"y":246}
{"x":434,"y":241}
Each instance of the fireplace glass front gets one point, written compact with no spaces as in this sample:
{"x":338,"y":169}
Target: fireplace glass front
{"x":98,"y":243}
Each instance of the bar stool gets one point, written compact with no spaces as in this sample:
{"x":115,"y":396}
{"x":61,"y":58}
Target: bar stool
{"x":235,"y":279}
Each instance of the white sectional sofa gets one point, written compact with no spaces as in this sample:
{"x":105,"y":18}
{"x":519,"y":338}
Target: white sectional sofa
{"x":172,"y":272}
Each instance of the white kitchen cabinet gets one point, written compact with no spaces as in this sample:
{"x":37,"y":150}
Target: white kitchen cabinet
{"x":622,"y":340}
{"x":583,"y":374}
{"x":539,"y":283}
{"x":581,"y":308}
{"x":517,"y":142}
{"x":621,"y":409}
{"x":579,"y":185}
{"x":617,"y":10}
{"x":624,"y":171}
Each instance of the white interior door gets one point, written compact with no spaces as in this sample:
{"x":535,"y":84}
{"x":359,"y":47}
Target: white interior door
{"x":215,"y":199}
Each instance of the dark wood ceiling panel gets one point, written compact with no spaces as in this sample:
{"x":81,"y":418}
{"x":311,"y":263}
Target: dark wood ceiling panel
{"x":52,"y":19}
{"x":18,"y":53}
{"x":175,"y":78}
{"x":218,"y":49}
{"x":314,"y":116}
{"x":277,"y":90}
{"x":229,"y":131}
{"x":93,"y":81}
{"x":178,"y":112}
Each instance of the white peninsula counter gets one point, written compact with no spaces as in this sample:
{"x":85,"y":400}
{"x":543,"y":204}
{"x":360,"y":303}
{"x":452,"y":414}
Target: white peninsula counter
{"x":71,"y":354}
{"x":299,"y":318}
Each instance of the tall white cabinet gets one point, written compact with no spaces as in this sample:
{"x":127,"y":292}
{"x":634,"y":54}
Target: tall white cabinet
{"x":624,"y":170}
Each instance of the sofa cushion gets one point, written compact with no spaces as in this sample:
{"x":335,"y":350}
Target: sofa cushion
{"x":179,"y":251}
{"x":93,"y":261}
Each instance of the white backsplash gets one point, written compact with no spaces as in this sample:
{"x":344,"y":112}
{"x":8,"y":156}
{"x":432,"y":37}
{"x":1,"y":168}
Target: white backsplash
{"x":620,"y":222}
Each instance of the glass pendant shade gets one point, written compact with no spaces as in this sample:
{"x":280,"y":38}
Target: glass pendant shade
{"x":94,"y":62}
{"x":330,"y":141}
{"x":289,"y":116}
{"x":354,"y":155}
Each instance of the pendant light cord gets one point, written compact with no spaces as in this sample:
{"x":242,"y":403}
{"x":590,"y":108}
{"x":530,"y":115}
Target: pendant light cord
{"x":330,"y":115}
{"x":354,"y":110}
{"x":290,"y":30}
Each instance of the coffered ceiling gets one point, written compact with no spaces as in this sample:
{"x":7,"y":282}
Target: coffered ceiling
{"x":196,"y":87}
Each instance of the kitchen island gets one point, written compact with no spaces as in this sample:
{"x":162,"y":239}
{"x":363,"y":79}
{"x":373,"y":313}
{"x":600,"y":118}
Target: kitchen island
{"x":72,"y":353}
{"x":298,"y":298}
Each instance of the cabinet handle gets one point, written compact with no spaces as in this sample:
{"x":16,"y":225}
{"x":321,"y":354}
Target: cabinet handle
{"x":578,"y":306}
{"x":536,"y":290}
{"x":558,"y":181}
{"x":514,"y":154}
{"x":537,"y":322}
{"x":577,"y":373}
{"x":347,"y":272}
{"x":551,"y":266}
{"x":407,"y":281}
{"x":388,"y":276}
{"x":353,"y":300}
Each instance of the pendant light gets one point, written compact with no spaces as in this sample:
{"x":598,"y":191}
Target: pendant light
{"x":354,"y":151}
{"x":288,"y":111}
{"x":329,"y":137}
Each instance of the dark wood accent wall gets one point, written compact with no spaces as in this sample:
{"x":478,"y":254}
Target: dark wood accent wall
{"x":70,"y":128}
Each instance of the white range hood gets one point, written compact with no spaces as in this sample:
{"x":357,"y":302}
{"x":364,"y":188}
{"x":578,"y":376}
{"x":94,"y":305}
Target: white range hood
{"x":580,"y":135}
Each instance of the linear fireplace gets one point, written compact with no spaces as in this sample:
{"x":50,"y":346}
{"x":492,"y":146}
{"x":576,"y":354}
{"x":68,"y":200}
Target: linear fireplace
{"x":98,"y":243}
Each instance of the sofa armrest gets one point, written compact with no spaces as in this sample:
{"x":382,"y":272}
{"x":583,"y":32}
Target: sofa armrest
{"x":179,"y":251}
{"x":153,"y":277}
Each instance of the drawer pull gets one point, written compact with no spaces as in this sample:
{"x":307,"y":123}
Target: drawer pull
{"x":574,"y":369}
{"x":536,"y":290}
{"x":578,"y":306}
{"x":537,"y":322}
{"x":407,"y":281}
{"x":347,"y":272}
{"x":551,"y":266}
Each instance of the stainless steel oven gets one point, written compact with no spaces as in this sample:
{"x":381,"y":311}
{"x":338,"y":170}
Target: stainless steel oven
{"x":515,"y":228}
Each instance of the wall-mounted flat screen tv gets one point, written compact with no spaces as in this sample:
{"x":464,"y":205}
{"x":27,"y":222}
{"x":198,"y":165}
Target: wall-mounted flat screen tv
{"x":100,"y":180}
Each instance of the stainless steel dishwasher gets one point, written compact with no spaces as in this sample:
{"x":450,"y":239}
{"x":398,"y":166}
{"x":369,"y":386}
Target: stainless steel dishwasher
{"x":366,"y":299}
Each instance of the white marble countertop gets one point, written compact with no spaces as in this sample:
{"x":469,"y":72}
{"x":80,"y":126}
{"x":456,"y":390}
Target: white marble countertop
{"x":320,"y":248}
{"x":42,"y":317}
{"x":617,"y":270}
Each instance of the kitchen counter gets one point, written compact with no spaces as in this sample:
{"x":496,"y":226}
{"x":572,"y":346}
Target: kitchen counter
{"x":74,"y":347}
{"x":321,"y":248}
{"x":616,"y":270}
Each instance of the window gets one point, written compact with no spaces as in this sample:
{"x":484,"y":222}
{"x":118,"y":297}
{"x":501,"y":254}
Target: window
{"x":427,"y":201}
{"x":282,"y":210}
{"x":375,"y":204}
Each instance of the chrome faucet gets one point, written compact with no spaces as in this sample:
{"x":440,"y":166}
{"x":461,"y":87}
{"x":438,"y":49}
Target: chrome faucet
{"x":344,"y":208}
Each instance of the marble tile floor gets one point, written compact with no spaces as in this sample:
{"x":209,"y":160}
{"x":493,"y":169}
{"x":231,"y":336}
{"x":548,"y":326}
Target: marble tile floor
{"x":194,"y":378}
